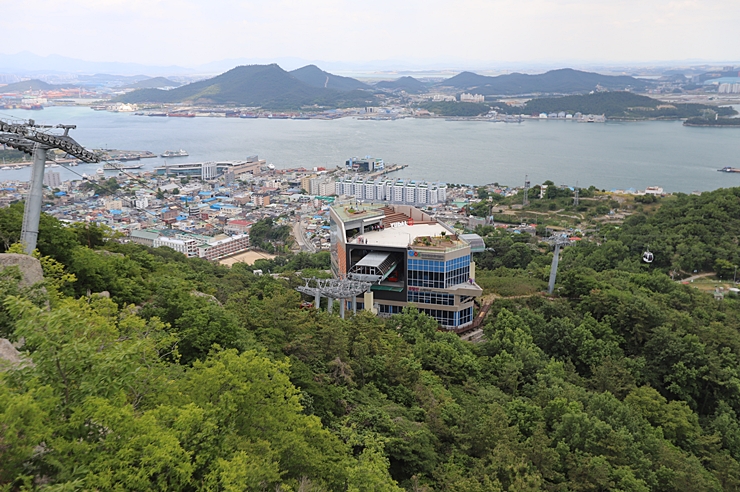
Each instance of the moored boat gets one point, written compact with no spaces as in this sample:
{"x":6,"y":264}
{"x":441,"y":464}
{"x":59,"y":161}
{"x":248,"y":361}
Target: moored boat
{"x":175,"y":153}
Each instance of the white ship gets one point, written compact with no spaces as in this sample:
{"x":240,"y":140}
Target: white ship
{"x":175,"y":153}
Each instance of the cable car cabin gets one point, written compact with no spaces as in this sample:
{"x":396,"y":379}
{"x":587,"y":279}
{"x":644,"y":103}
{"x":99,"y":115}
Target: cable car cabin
{"x":647,"y":257}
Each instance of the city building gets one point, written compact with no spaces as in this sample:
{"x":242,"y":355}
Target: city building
{"x":408,"y":257}
{"x":364,"y":164}
{"x":188,"y":247}
{"x":52,"y":179}
{"x":473,"y":98}
{"x":145,"y":238}
{"x":211,"y":170}
{"x":400,"y":191}
{"x":222,"y":247}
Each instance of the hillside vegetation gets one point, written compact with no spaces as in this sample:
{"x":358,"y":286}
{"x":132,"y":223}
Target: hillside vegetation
{"x":195,"y":376}
{"x":267,"y":86}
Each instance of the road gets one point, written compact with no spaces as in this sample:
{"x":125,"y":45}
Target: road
{"x":300,"y":237}
{"x":696,"y":277}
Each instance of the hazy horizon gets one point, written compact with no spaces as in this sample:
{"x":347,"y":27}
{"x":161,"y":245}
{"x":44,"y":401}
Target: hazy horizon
{"x":464,"y":35}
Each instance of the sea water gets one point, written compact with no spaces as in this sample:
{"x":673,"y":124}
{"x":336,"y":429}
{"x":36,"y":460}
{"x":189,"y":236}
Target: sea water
{"x":612,"y":155}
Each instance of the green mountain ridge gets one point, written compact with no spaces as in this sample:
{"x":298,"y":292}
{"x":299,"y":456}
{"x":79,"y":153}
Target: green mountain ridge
{"x":562,"y":81}
{"x":267,"y":86}
{"x":616,"y":105}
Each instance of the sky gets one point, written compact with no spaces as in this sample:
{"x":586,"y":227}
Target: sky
{"x":479,"y":33}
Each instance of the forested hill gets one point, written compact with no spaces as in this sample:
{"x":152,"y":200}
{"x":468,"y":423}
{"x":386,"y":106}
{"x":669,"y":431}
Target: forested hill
{"x":196,"y":377}
{"x":315,"y":77}
{"x":618,"y":104}
{"x":563,"y":81}
{"x":267,"y":86}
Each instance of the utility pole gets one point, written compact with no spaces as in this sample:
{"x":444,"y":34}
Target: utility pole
{"x":525,"y":202}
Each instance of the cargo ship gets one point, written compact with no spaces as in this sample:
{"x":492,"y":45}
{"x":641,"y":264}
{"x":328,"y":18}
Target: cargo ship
{"x":181,"y":115}
{"x":175,"y":153}
{"x":728,"y":169}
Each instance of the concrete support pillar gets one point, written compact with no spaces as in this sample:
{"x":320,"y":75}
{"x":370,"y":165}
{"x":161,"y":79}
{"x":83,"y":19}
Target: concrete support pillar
{"x":554,"y":269}
{"x":369,"y":301}
{"x":317,"y":301}
{"x":331,"y":304}
{"x":354,"y":304}
{"x":341,"y":307}
{"x":32,"y":207}
{"x":472,"y":270}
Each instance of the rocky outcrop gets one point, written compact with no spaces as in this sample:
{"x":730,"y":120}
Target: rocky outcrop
{"x":9,"y":356}
{"x":29,"y":267}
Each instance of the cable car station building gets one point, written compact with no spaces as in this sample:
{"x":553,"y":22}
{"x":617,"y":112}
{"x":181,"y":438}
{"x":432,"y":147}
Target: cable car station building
{"x":409,"y":258}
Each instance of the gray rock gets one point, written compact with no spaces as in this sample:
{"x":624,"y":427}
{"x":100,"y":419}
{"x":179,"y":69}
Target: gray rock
{"x":8,"y":354}
{"x":29,"y":266}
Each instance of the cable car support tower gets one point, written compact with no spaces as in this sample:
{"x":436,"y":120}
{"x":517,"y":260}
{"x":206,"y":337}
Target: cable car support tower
{"x":36,"y":140}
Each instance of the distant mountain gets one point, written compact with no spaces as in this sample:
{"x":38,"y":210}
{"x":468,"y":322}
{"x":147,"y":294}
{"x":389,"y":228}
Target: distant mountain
{"x":267,"y":86}
{"x":563,"y":81}
{"x":408,"y":84}
{"x":109,"y":80}
{"x":27,"y":85}
{"x":27,"y":62}
{"x":153,"y":83}
{"x":468,"y":80}
{"x":315,"y":77}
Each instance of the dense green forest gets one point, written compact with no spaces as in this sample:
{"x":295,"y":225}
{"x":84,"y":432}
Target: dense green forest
{"x":617,"y":105}
{"x":452,"y":108}
{"x":194,"y":376}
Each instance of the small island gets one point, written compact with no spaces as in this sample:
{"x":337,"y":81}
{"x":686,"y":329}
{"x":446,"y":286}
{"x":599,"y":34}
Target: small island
{"x":714,"y":123}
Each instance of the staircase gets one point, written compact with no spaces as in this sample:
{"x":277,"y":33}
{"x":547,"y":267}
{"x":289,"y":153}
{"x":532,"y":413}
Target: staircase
{"x":391,"y":217}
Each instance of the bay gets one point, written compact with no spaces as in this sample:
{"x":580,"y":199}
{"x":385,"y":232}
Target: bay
{"x":613,"y":155}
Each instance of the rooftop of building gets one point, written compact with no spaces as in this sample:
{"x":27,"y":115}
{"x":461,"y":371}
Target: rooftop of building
{"x":350,"y":213}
